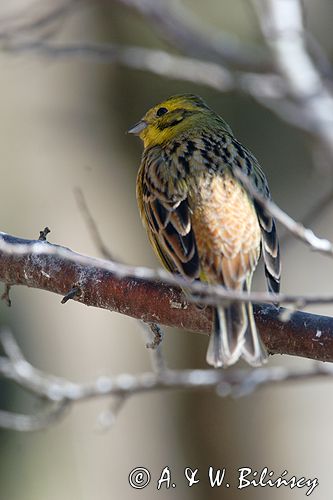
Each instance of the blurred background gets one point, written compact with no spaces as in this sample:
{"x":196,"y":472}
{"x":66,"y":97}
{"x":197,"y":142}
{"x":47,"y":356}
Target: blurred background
{"x":62,"y":126}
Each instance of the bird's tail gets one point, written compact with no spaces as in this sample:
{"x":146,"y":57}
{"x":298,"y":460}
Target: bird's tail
{"x":227,"y":337}
{"x":235,"y":335}
{"x":253,"y":349}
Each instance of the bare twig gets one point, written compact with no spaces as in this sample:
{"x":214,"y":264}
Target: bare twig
{"x":155,"y":334}
{"x":289,"y":84}
{"x":155,"y":343}
{"x":107,"y":418}
{"x":297,"y":229}
{"x":92,"y":226}
{"x":59,"y":394}
{"x":37,"y":20}
{"x":181,"y":28}
{"x":313,"y":214}
{"x":73,"y":292}
{"x":172,"y":21}
{"x":155,"y":61}
{"x":42,"y":420}
{"x":268,"y":89}
{"x":43,"y":234}
{"x":6,"y":295}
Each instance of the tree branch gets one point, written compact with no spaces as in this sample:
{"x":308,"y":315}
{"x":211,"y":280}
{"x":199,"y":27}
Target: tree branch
{"x":289,"y":84}
{"x":182,"y":29}
{"x":38,"y":19}
{"x":282,"y":25}
{"x":172,"y":21}
{"x":242,"y":71}
{"x":135,"y":292}
{"x":295,"y":228}
{"x":158,"y":62}
{"x":59,"y":394}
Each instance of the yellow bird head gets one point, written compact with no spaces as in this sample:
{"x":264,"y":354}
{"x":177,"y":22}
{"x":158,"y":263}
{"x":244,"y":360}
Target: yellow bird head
{"x":171,"y":117}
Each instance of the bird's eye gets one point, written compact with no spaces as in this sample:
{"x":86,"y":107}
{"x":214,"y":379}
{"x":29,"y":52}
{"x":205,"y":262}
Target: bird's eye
{"x":161,"y":112}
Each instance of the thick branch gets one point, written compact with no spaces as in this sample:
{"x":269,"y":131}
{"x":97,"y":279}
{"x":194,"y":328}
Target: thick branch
{"x":282,"y":25}
{"x":135,"y":292}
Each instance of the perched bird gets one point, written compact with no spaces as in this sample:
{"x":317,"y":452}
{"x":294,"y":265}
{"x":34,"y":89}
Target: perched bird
{"x":199,"y":218}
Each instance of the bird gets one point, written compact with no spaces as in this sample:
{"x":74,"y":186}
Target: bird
{"x":200,"y":219}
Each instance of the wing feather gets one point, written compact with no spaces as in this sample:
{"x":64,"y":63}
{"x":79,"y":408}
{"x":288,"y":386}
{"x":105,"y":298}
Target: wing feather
{"x":270,"y":249}
{"x":270,"y":242}
{"x":168,"y":219}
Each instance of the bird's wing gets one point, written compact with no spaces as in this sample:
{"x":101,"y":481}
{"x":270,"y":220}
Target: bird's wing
{"x":270,"y":249}
{"x":242,"y":158}
{"x":270,"y":241}
{"x":167,"y":215}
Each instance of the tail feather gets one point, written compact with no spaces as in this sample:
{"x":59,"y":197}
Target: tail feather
{"x":232,"y":337}
{"x":253,"y":350}
{"x":235,"y":335}
{"x":227,"y":338}
{"x":214,"y":355}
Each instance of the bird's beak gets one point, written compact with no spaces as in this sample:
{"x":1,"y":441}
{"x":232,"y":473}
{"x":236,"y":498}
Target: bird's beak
{"x":138,"y":128}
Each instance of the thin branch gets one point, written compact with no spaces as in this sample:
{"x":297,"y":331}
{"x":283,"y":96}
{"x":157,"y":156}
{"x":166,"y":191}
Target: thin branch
{"x":107,"y":418}
{"x":61,"y":394}
{"x":41,"y":420}
{"x":37,"y":20}
{"x":313,"y":214}
{"x":92,"y":226}
{"x":304,"y":102}
{"x":180,"y":27}
{"x":43,"y":234}
{"x":6,"y":295}
{"x":267,"y":89}
{"x":153,"y":332}
{"x":295,"y":228}
{"x":172,"y":21}
{"x":210,"y":74}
